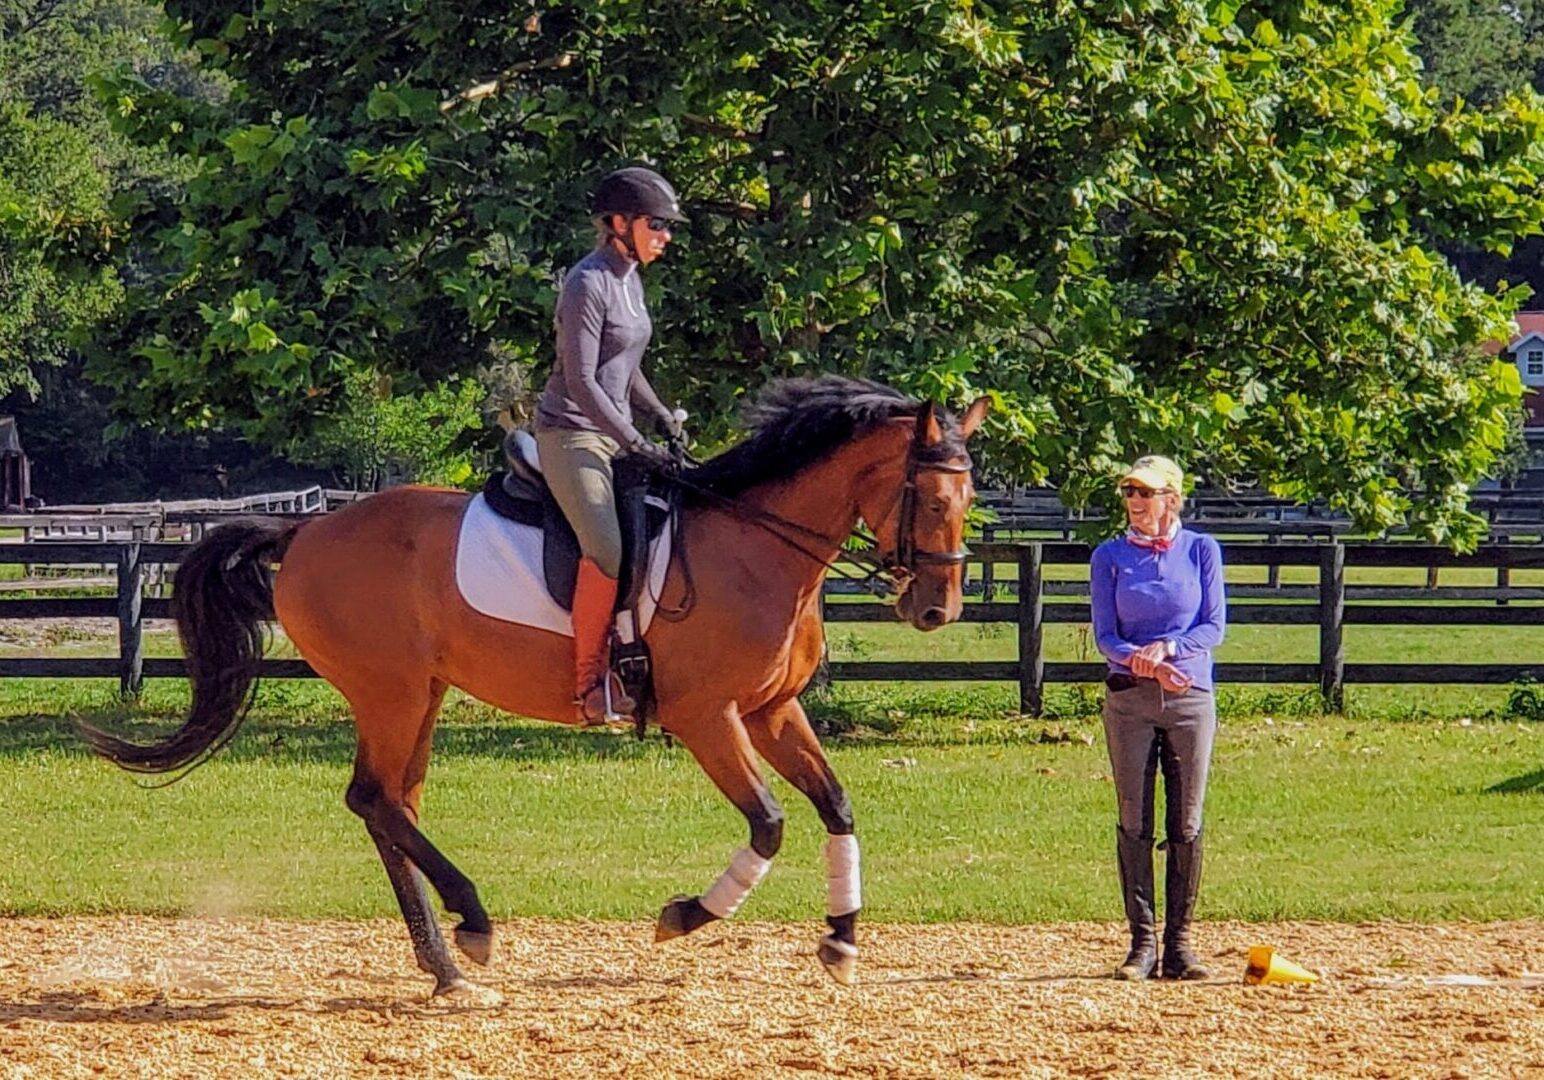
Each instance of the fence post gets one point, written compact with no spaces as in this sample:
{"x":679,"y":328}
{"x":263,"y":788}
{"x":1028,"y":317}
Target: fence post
{"x":821,"y":679}
{"x":1332,"y":611}
{"x":988,"y":583}
{"x":131,"y":642}
{"x":1503,"y":571}
{"x":1031,"y":630}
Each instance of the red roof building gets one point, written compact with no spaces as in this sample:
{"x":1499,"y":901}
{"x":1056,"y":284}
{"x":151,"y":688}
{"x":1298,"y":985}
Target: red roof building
{"x":1527,"y":351}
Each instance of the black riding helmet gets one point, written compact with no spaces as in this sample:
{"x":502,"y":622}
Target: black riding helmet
{"x":637,"y":192}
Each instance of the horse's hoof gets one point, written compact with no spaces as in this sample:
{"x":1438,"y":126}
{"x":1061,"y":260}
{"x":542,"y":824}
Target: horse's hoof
{"x":839,"y":958}
{"x":461,"y":991}
{"x":673,"y":919}
{"x":476,"y":944}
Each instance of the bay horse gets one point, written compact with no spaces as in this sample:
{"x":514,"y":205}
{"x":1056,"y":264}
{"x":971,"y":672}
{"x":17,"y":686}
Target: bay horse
{"x":368,"y":596}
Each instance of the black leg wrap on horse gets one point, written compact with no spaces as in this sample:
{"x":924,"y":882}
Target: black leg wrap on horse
{"x":1134,"y":855}
{"x":838,"y":950}
{"x":1182,"y":883}
{"x":680,"y":917}
{"x":844,"y":927}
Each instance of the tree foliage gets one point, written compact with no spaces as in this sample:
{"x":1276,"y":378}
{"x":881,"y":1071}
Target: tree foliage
{"x":61,"y":167}
{"x":1195,"y":226}
{"x":55,"y":226}
{"x":1480,"y":50}
{"x":377,"y":436}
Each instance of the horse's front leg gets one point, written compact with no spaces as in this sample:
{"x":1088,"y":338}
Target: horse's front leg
{"x":722,"y":748}
{"x":782,"y":735}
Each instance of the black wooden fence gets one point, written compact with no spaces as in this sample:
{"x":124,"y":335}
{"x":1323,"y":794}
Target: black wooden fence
{"x":1029,"y":602}
{"x":1036,"y":602}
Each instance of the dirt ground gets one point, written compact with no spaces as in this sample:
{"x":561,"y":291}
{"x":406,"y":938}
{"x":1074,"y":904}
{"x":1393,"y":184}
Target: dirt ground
{"x":142,"y":997}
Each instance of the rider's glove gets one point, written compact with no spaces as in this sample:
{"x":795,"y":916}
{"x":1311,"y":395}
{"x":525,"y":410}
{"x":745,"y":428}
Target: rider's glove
{"x":651,"y":454}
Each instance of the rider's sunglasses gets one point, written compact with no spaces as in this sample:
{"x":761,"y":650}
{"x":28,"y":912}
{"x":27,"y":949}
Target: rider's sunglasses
{"x":659,"y":224}
{"x":1137,"y":491}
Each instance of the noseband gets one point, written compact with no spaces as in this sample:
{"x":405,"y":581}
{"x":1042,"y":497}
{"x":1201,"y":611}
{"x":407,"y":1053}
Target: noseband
{"x":901,"y":564}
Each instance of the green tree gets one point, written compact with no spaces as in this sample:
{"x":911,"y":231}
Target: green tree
{"x":1480,"y":50}
{"x":376,"y":436}
{"x":1197,"y":226}
{"x":62,"y":167}
{"x":55,"y":231}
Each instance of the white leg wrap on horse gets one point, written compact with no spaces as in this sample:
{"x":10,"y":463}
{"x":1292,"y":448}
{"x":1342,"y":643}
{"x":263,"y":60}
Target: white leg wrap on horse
{"x":844,"y":891}
{"x":745,"y":872}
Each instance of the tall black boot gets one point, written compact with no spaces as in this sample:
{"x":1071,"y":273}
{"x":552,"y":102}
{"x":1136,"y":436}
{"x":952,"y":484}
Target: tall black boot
{"x":1182,"y":882}
{"x":1135,"y":856}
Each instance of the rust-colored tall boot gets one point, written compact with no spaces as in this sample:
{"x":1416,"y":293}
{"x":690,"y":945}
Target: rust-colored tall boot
{"x":595,"y":599}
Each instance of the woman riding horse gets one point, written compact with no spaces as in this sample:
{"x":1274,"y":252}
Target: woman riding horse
{"x":368,"y":597}
{"x":584,"y":419}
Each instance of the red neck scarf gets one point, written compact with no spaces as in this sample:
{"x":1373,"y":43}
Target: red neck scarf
{"x":1159,"y":544}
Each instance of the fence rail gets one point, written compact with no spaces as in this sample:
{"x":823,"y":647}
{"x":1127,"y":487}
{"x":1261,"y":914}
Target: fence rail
{"x":179,"y":519}
{"x":1029,"y":603}
{"x":1019,"y":512}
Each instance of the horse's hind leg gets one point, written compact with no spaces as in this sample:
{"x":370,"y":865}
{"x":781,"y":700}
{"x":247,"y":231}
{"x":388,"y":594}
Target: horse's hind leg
{"x":782,"y":735}
{"x":412,"y":897}
{"x":389,"y":770}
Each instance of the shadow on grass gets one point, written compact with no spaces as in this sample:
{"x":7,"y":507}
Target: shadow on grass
{"x":271,"y":735}
{"x":332,"y":741}
{"x":1533,"y":781}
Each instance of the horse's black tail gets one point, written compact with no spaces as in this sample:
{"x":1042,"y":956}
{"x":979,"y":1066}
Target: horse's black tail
{"x":222,"y":601}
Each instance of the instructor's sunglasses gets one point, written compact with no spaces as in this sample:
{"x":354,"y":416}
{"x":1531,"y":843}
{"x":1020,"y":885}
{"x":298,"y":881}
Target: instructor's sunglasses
{"x":1137,"y":491}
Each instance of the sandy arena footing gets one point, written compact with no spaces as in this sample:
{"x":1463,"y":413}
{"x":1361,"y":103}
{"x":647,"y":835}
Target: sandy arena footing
{"x":145,"y":997}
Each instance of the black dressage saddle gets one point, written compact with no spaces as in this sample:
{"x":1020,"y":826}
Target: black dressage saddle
{"x":521,"y":494}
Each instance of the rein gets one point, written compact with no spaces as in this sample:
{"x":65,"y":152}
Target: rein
{"x":887,"y":574}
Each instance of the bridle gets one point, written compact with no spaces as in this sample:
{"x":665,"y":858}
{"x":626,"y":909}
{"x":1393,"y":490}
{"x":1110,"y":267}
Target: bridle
{"x":907,"y":555}
{"x":887,"y":574}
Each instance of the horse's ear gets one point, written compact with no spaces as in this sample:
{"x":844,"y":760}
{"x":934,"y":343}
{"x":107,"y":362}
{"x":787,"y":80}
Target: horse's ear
{"x":929,"y":432}
{"x":974,"y":415}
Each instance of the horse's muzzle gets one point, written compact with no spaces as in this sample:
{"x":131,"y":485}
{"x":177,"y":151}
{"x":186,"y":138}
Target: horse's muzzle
{"x":922,"y":614}
{"x":930,"y":618}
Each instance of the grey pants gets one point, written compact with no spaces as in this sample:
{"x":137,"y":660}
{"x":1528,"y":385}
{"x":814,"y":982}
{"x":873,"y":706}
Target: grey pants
{"x":577,"y":465}
{"x":1147,"y":727}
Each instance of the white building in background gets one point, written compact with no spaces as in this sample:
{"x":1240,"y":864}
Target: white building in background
{"x":1527,"y":351}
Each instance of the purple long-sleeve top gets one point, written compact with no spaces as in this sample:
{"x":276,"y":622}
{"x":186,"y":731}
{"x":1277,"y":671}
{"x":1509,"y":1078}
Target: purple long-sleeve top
{"x":1140,"y":595}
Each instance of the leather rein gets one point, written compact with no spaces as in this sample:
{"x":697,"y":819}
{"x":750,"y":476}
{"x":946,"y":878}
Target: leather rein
{"x":887,"y":573}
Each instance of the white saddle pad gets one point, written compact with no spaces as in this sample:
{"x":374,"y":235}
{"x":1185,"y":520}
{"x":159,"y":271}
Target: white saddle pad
{"x":499,"y":572}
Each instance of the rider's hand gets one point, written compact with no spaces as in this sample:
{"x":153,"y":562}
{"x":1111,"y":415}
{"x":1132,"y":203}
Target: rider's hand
{"x":672,"y":425}
{"x":651,"y":454}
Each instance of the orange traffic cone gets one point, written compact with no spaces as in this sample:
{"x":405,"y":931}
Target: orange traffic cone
{"x":1265,"y":968}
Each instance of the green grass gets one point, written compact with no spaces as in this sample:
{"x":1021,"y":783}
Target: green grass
{"x":964,"y":814}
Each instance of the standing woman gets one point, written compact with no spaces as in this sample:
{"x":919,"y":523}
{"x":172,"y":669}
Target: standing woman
{"x":1158,"y":611}
{"x":585,"y":417}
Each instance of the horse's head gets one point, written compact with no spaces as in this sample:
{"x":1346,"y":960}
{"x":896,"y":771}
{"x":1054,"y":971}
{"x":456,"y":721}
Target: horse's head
{"x":920,"y":520}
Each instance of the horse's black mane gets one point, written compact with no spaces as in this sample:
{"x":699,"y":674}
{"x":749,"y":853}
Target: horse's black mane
{"x":795,"y":422}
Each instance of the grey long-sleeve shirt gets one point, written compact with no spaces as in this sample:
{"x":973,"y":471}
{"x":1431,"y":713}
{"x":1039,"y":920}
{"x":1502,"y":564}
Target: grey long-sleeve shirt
{"x":603,"y":327}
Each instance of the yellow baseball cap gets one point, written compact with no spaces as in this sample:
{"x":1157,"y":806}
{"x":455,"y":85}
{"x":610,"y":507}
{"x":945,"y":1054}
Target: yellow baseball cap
{"x":1155,"y":472}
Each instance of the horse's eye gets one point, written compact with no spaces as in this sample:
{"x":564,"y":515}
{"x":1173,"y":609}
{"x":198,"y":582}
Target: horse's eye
{"x":938,"y":506}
